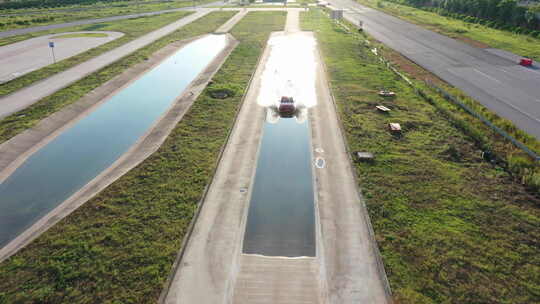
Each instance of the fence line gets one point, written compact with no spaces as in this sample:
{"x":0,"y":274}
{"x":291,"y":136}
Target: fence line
{"x":469,"y":110}
{"x":465,"y":107}
{"x":450,"y":98}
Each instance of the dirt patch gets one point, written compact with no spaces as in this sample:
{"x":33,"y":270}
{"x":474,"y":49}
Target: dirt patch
{"x":410,"y":67}
{"x":472,"y":42}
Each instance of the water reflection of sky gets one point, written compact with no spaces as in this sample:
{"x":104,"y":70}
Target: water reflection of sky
{"x":281,"y":218}
{"x":80,"y":153}
{"x":289,"y":70}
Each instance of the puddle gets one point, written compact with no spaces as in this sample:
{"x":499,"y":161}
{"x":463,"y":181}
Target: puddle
{"x":80,"y":153}
{"x":281,"y":216}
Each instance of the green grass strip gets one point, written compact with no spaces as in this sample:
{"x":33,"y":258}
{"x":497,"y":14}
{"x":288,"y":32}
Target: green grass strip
{"x":120,"y":246}
{"x":53,"y":15}
{"x":451,"y":227}
{"x":27,"y":118}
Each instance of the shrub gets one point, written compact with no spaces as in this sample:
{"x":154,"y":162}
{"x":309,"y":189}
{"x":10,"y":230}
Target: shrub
{"x":223,"y":91}
{"x":518,"y":163}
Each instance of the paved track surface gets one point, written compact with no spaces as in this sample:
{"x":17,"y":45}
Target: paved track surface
{"x":92,"y":21}
{"x":351,"y":265}
{"x":490,"y":76}
{"x":23,"y":57}
{"x":209,"y":261}
{"x":212,"y":268}
{"x":31,"y":94}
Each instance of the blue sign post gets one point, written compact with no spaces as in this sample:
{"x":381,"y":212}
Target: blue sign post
{"x":51,"y":45}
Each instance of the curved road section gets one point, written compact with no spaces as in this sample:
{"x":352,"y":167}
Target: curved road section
{"x":491,"y":76}
{"x":92,"y":21}
{"x":31,"y":94}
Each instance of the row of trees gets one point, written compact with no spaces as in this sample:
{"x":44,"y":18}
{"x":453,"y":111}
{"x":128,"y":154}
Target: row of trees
{"x":46,"y":3}
{"x":502,"y":12}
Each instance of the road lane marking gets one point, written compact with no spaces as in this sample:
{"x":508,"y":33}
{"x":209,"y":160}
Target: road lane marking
{"x":494,"y":79}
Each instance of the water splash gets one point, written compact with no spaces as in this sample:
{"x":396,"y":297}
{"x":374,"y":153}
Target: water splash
{"x":289,"y":71}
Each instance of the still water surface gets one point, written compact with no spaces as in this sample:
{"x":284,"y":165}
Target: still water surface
{"x":80,"y":153}
{"x":281,"y":218}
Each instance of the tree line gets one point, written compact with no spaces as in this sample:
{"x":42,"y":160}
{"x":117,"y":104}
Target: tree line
{"x":46,"y":3}
{"x":503,"y":14}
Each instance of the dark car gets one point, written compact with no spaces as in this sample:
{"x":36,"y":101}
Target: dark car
{"x":286,"y":107}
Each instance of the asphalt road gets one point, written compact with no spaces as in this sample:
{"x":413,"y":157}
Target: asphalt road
{"x":23,"y":57}
{"x":92,"y":21}
{"x":490,"y":76}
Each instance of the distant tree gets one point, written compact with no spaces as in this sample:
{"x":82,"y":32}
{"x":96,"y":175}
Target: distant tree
{"x":506,"y":10}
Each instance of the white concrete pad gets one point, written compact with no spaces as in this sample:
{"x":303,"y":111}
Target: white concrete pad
{"x":29,"y":55}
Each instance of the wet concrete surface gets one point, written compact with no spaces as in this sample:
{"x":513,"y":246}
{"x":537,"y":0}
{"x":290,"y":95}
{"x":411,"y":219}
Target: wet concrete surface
{"x":281,"y":219}
{"x":346,"y":267}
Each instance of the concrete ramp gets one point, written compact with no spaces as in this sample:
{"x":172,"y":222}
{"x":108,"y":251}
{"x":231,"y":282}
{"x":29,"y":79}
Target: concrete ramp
{"x":277,"y":280}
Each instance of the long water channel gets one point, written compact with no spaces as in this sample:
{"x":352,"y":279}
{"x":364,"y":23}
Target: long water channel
{"x":281,"y":216}
{"x":80,"y":153}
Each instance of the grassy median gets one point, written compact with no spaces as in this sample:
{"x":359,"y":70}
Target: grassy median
{"x":475,"y":34}
{"x":451,"y":227}
{"x":27,"y":118}
{"x":119,"y":247}
{"x":132,"y":29}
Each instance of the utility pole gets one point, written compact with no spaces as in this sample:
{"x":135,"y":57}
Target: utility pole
{"x":51,"y":46}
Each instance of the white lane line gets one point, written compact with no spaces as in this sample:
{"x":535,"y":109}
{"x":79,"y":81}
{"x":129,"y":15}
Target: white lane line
{"x":494,"y":79}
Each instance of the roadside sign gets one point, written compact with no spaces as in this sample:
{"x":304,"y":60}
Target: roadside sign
{"x":51,"y":45}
